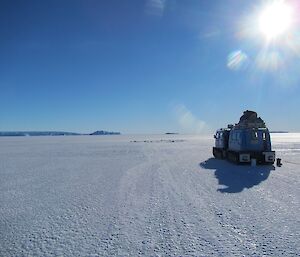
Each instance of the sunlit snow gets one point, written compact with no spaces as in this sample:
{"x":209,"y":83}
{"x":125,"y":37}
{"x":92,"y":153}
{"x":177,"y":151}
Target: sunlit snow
{"x":145,"y":196}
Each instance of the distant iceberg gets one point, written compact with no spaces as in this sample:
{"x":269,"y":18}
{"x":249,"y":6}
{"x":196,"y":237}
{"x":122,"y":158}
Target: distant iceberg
{"x":36,"y":133}
{"x":102,"y":132}
{"x":52,"y":133}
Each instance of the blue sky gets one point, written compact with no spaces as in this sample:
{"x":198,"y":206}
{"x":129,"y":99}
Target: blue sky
{"x":141,"y":66}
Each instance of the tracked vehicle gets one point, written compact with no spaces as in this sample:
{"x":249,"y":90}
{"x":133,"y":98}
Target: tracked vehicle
{"x":249,"y":139}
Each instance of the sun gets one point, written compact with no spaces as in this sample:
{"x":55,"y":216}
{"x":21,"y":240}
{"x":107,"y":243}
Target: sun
{"x":275,"y":20}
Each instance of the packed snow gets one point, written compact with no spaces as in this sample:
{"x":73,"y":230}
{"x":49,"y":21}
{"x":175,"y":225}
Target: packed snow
{"x":162,"y":195}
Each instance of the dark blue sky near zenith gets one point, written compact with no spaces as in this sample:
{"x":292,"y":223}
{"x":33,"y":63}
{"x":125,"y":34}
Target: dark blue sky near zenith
{"x":142,"y":66}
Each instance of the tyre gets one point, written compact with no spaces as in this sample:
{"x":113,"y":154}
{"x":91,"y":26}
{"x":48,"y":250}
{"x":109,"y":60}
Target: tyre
{"x":217,"y":153}
{"x":233,"y":157}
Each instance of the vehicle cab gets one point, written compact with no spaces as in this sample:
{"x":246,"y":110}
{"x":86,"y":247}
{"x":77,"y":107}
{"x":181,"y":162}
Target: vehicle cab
{"x":221,"y":138}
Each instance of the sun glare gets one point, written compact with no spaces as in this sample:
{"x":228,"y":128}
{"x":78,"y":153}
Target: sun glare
{"x":275,"y":20}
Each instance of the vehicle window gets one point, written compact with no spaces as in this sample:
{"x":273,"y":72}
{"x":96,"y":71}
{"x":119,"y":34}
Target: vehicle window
{"x":234,"y":136}
{"x":255,"y":135}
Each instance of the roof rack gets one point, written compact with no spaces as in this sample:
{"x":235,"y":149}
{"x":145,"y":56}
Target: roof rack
{"x":250,"y":120}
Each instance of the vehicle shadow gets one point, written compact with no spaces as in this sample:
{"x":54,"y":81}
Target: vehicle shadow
{"x":234,"y":177}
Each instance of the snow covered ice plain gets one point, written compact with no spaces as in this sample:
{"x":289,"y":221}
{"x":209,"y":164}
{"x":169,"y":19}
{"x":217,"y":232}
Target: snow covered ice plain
{"x":161,"y":195}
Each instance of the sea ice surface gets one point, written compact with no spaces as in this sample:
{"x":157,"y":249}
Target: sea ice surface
{"x":146,"y":195}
